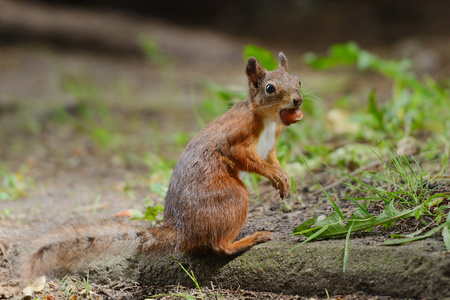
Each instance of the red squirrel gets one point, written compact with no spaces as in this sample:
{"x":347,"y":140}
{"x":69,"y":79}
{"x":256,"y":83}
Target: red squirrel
{"x":207,"y":202}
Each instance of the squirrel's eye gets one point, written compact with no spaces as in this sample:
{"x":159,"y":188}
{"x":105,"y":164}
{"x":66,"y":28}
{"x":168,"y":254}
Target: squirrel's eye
{"x":270,"y":89}
{"x":300,"y":83}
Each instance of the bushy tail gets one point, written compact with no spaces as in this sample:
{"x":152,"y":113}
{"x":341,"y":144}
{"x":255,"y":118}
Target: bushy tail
{"x":70,"y":248}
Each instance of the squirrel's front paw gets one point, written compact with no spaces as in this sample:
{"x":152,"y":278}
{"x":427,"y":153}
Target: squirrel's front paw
{"x":284,"y":194}
{"x":280,"y":184}
{"x":284,"y":188}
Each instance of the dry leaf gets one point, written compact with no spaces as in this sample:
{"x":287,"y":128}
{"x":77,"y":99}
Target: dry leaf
{"x":124,"y":214}
{"x":37,"y":285}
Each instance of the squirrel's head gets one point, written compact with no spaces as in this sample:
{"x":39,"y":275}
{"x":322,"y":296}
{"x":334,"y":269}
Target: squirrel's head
{"x":274,"y":94}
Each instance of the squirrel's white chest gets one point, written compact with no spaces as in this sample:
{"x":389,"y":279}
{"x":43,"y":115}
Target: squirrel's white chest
{"x":266,"y":140}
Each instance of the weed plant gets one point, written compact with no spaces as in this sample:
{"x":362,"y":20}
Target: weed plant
{"x":415,"y":104}
{"x":405,"y":194}
{"x":72,"y":287}
{"x":404,"y":189}
{"x":14,"y":185}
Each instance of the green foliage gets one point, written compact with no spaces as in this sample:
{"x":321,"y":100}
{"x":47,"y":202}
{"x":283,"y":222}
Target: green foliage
{"x":403,"y":191}
{"x":191,"y":275}
{"x":6,"y":212}
{"x":87,"y":286}
{"x":160,"y":168}
{"x":351,"y":54}
{"x":153,"y":212}
{"x":294,"y":196}
{"x":334,"y":226}
{"x":14,"y":185}
{"x":446,"y":233}
{"x":217,"y":101}
{"x":159,"y":188}
{"x":349,"y":156}
{"x":403,"y":188}
{"x":71,"y":286}
{"x":414,"y":105}
{"x":347,"y":247}
{"x":152,"y":50}
{"x":263,"y":55}
{"x":68,"y":285}
{"x":90,"y":114}
{"x":430,"y":233}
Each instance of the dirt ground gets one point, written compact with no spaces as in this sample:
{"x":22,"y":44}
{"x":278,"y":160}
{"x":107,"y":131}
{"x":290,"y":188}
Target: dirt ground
{"x":66,"y":174}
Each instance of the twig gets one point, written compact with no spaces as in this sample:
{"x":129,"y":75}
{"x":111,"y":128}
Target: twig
{"x":106,"y":292}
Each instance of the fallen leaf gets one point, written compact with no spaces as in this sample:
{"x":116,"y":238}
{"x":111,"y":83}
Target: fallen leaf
{"x":37,"y":285}
{"x":124,"y":214}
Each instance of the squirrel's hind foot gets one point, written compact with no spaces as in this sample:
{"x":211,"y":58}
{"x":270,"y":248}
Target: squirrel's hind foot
{"x":244,"y":244}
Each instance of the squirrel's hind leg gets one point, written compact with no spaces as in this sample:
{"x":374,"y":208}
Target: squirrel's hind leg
{"x":226,"y":248}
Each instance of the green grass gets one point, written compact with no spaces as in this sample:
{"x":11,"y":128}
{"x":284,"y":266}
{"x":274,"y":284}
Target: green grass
{"x":14,"y":185}
{"x":68,"y":285}
{"x":402,"y":191}
{"x":73,"y":287}
{"x":417,"y":110}
{"x":153,"y":51}
{"x":191,"y":276}
{"x":404,"y":194}
{"x":415,"y":103}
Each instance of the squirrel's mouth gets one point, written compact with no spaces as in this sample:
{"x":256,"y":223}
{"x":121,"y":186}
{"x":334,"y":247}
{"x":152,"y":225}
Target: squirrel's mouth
{"x":291,"y":116}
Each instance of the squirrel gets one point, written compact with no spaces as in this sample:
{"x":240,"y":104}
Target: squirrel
{"x":207,"y":202}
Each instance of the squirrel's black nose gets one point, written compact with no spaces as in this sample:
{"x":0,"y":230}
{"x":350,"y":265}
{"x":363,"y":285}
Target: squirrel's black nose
{"x":298,"y":101}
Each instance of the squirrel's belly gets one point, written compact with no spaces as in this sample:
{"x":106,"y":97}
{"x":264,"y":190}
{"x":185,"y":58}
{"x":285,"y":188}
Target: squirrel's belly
{"x":266,"y":140}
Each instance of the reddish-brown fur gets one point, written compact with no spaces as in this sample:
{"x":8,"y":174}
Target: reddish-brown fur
{"x":206,"y":203}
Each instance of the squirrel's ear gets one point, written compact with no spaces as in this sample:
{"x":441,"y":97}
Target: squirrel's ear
{"x":255,"y":71}
{"x":283,"y":61}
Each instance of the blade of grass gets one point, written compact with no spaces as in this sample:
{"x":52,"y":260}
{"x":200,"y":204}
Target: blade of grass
{"x":366,"y":185}
{"x":336,"y":208}
{"x":190,"y":276}
{"x":371,"y":222}
{"x":416,"y":238}
{"x":313,"y":236}
{"x":446,"y":233}
{"x":400,"y":236}
{"x":376,"y":176}
{"x":347,"y":244}
{"x":357,"y":204}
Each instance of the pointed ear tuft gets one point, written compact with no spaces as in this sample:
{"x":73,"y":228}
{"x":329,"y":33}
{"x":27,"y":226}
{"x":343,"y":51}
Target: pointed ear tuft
{"x":283,"y":61}
{"x":254,"y":71}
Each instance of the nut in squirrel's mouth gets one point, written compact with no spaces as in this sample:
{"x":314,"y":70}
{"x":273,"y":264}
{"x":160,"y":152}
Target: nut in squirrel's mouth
{"x":291,"y":116}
